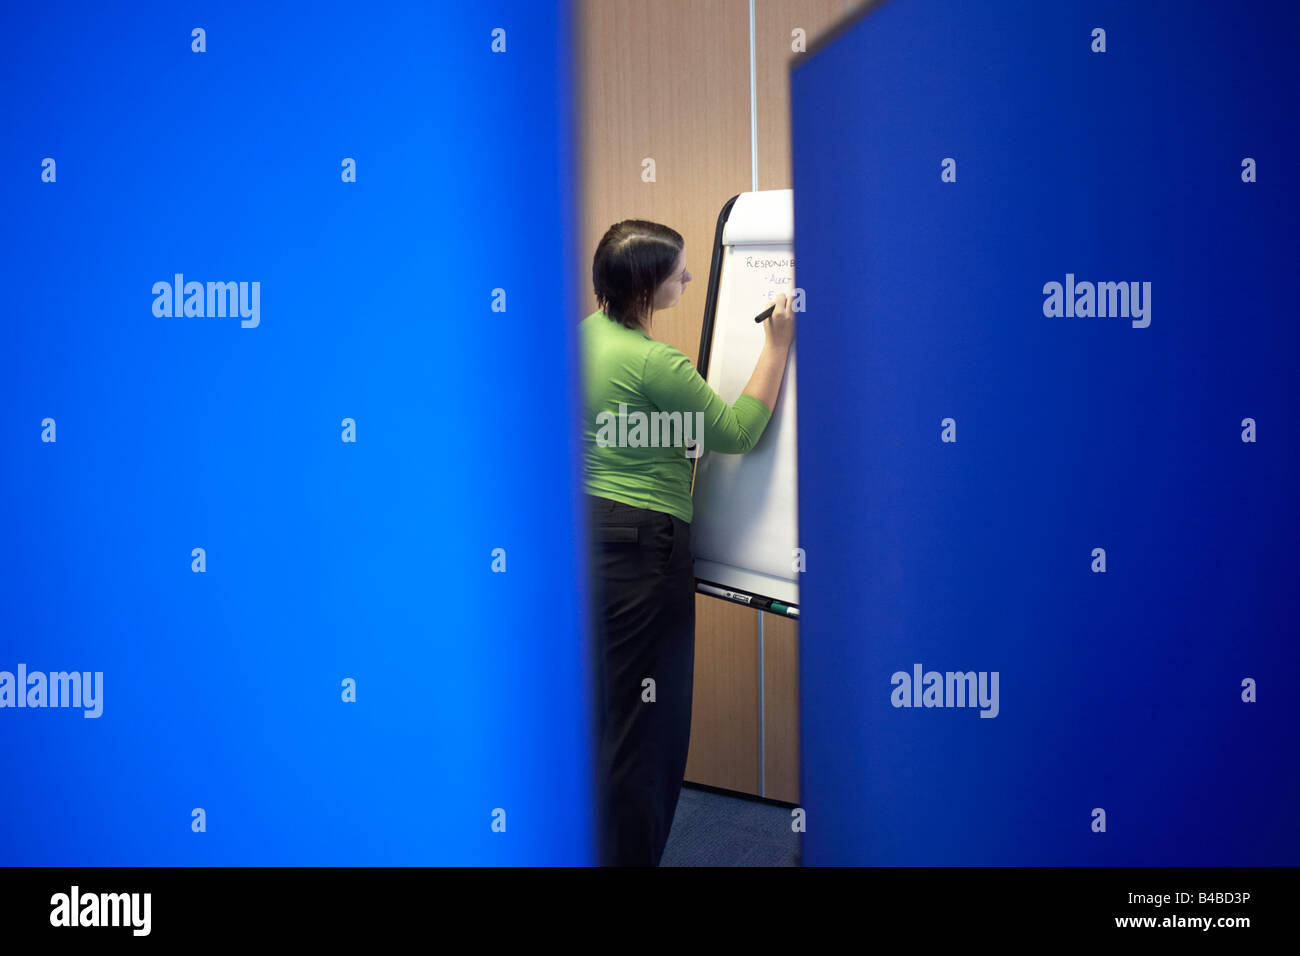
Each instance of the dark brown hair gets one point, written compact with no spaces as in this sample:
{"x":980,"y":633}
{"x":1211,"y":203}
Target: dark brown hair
{"x":632,"y":260}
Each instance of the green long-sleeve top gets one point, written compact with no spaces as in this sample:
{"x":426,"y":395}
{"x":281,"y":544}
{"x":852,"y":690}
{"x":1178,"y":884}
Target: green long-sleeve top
{"x":642,"y":460}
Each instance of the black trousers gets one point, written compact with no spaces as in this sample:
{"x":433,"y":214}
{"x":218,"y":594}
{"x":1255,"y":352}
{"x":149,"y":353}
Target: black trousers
{"x":644,"y":617}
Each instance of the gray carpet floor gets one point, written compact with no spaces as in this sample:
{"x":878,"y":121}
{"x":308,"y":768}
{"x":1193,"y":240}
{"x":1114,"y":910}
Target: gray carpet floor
{"x":714,"y":829}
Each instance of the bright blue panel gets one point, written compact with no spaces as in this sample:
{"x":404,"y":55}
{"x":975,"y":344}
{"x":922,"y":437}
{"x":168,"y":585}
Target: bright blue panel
{"x":1119,"y":690}
{"x":326,"y":560}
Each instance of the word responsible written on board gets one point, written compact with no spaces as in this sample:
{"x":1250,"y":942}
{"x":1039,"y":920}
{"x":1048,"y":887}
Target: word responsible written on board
{"x":769,"y":262}
{"x":779,"y":278}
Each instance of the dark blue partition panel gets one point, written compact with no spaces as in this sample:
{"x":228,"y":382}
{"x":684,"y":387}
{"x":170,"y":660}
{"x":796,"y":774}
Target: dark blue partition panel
{"x":423,"y":310}
{"x":1048,"y":423}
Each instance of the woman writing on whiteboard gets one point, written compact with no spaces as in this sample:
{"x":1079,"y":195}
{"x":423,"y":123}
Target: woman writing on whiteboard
{"x":639,"y":500}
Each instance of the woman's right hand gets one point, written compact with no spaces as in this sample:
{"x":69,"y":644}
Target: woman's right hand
{"x":780,"y":327}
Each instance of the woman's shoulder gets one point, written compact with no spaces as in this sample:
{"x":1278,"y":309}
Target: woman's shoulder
{"x":665,"y":353}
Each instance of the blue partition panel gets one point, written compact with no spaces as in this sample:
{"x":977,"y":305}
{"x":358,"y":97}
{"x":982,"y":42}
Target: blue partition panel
{"x":1048,"y":432}
{"x":290,"y":475}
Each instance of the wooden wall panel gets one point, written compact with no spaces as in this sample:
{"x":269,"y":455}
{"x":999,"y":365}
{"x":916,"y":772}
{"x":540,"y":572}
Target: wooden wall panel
{"x":780,"y":708}
{"x":774,"y":23}
{"x":667,"y":79}
{"x":724,"y":717}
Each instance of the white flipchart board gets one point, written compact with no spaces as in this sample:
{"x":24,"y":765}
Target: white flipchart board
{"x":745,"y":527}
